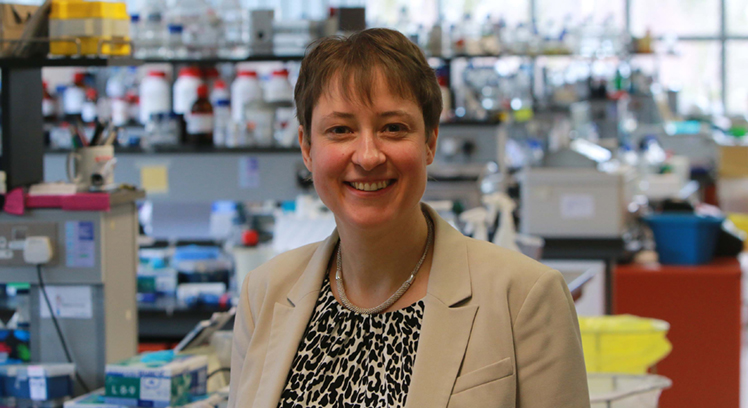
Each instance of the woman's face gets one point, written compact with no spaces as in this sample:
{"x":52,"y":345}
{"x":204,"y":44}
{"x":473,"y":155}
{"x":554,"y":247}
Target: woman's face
{"x":368,"y":163}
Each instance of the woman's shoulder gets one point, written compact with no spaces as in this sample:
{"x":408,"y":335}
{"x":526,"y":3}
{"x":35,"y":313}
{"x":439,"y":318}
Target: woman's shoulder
{"x":494,"y":269}
{"x":281,"y":269}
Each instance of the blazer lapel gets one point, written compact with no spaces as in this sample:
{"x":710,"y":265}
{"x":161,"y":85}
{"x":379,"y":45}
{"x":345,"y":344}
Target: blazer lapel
{"x":290,"y":320}
{"x":446,"y":327}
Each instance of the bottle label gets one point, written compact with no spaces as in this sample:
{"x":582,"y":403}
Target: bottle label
{"x":198,"y":123}
{"x":48,"y":108}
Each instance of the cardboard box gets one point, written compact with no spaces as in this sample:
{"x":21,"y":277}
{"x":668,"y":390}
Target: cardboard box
{"x":13,"y":19}
{"x":733,"y":161}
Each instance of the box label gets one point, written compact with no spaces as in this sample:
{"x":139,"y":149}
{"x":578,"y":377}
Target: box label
{"x":38,"y":388}
{"x":122,"y":387}
{"x":68,"y":302}
{"x":80,"y":244}
{"x":155,"y":389}
{"x":577,"y":206}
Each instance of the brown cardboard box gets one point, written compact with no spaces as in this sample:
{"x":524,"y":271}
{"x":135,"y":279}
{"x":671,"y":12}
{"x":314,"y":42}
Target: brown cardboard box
{"x":13,"y":19}
{"x":733,"y":161}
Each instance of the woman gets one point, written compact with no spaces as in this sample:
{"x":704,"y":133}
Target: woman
{"x":396,"y":308}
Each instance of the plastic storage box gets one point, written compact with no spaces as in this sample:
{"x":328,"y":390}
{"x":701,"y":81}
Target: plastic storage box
{"x":148,"y":381}
{"x":684,"y":239}
{"x":626,"y":391}
{"x":574,"y":203}
{"x":38,"y":382}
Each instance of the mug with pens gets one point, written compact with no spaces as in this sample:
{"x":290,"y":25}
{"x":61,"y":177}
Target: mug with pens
{"x":91,"y":165}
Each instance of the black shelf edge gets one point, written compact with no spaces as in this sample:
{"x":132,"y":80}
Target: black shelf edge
{"x":39,"y":62}
{"x":213,"y":61}
{"x":192,"y":150}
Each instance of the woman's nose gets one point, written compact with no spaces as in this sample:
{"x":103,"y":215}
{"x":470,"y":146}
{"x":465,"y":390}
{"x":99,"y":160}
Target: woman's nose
{"x":368,"y":155}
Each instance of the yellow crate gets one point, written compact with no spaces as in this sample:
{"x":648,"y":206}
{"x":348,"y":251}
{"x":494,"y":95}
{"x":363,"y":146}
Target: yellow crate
{"x":69,"y":9}
{"x":89,"y":46}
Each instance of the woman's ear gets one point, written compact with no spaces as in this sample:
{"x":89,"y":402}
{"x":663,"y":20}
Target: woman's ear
{"x":431,"y":146}
{"x":306,"y":148}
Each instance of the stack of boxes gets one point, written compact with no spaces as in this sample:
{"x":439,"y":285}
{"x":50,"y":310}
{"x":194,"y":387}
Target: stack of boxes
{"x":146,"y":382}
{"x":103,"y":28}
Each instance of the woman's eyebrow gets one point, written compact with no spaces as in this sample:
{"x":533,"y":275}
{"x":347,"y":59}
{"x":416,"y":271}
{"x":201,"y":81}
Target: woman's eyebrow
{"x":339,"y":115}
{"x":389,"y":114}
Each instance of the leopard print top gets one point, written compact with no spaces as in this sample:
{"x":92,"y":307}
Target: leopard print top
{"x":353,"y":360}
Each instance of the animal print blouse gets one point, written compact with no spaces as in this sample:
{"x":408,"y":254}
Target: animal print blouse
{"x":353,"y":360}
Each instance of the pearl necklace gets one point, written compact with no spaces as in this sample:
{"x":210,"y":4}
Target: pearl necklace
{"x":395,"y":296}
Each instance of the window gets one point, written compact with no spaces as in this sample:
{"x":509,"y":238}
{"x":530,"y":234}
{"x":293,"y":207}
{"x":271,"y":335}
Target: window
{"x":679,"y":17}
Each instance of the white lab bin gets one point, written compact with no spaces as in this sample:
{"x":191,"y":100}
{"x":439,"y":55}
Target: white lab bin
{"x":574,"y":203}
{"x":626,"y":391}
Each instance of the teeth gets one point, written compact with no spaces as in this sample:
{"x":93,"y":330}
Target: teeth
{"x":370,"y":186}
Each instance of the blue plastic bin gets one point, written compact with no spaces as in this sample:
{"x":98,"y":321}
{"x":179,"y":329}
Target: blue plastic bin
{"x":684,"y":239}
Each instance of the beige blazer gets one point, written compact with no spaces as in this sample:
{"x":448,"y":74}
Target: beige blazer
{"x":499,"y":329}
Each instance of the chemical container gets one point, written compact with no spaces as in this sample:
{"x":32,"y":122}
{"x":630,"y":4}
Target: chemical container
{"x":50,"y":381}
{"x":684,"y":239}
{"x":626,"y":391}
{"x":623,"y":343}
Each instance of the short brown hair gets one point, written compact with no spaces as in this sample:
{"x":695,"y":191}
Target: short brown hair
{"x":359,"y":58}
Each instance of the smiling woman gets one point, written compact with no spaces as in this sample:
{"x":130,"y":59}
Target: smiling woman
{"x":396,"y":308}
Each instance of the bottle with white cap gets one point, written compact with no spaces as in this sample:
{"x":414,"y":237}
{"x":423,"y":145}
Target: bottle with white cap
{"x":155,"y":95}
{"x":222,"y":123}
{"x":245,"y":89}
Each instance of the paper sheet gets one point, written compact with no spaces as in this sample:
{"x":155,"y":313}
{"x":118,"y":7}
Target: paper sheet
{"x":68,"y":302}
{"x":154,"y":179}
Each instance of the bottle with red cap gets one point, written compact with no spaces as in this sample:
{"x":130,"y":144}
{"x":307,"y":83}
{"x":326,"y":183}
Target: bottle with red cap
{"x":185,"y":89}
{"x":245,"y":89}
{"x":199,"y":121}
{"x":279,"y":92}
{"x":155,"y":95}
{"x":49,"y":106}
{"x":74,"y":97}
{"x":89,"y":112}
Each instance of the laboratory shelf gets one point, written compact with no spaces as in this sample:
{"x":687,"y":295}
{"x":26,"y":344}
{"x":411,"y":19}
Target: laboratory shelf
{"x":40,"y":62}
{"x":192,"y":150}
{"x":213,"y":61}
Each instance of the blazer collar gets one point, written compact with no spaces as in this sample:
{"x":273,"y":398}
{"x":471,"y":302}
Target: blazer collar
{"x":314,"y":273}
{"x":449,"y":278}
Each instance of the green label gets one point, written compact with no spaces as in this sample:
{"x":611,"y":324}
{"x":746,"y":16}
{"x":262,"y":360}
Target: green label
{"x":122,"y":387}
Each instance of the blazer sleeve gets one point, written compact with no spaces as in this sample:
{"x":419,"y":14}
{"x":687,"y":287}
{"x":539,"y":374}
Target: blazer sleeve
{"x":548,"y":346}
{"x":243,"y":328}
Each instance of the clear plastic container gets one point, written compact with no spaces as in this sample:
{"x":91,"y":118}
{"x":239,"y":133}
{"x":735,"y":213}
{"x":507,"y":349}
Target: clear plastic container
{"x":235,"y":39}
{"x":152,"y":29}
{"x":626,"y":391}
{"x":200,"y":27}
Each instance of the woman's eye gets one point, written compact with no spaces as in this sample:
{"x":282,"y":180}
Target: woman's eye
{"x":394,"y":128}
{"x":339,"y":130}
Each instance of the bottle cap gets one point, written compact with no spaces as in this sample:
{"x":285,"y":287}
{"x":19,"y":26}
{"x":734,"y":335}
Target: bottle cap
{"x":91,"y":93}
{"x":219,"y":84}
{"x":202,"y":91}
{"x":159,"y":74}
{"x":190,"y":72}
{"x":250,"y":238}
{"x":247,"y":73}
{"x":79,"y":77}
{"x":175,"y":28}
{"x":281,"y":72}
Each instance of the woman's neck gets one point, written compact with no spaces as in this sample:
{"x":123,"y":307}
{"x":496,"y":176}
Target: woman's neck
{"x":376,"y":263}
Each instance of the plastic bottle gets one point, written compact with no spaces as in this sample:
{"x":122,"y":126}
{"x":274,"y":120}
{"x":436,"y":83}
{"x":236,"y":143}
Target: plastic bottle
{"x":260,"y":118}
{"x":279,"y":92}
{"x":235,"y":38}
{"x":49,"y":108}
{"x":135,"y":34}
{"x":120,"y":111}
{"x":173,"y":46}
{"x":200,"y":119}
{"x":219,"y":92}
{"x":446,"y":99}
{"x":245,"y":89}
{"x":155,"y":95}
{"x":185,"y":89}
{"x":223,"y":125}
{"x":74,"y":97}
{"x":89,"y":108}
